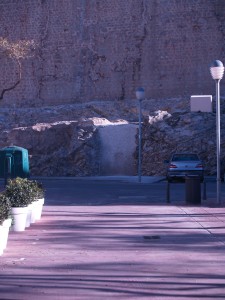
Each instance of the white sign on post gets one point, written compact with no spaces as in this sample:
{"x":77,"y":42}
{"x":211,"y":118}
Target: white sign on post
{"x":202,"y":103}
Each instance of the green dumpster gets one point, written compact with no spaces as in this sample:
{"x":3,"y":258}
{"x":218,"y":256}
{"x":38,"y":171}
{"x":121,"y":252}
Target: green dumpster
{"x":14,"y":162}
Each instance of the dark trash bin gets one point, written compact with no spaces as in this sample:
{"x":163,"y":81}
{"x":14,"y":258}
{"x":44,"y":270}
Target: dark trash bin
{"x":193,"y":190}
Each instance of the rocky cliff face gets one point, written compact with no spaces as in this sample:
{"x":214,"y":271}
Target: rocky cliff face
{"x":74,"y":51}
{"x":166,"y":133}
{"x":71,"y":67}
{"x":67,"y":140}
{"x":66,"y":148}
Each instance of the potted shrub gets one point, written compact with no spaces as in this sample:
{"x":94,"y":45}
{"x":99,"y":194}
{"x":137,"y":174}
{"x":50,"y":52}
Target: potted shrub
{"x":38,"y":199}
{"x":19,"y":194}
{"x":5,"y":221}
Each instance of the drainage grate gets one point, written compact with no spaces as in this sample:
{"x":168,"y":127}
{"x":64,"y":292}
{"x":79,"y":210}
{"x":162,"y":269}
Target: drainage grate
{"x":133,"y":197}
{"x":151,"y":237}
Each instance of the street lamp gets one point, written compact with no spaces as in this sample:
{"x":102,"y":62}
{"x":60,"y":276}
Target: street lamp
{"x":217,"y":70}
{"x":140,"y":94}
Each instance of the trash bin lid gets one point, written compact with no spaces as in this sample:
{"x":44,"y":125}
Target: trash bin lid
{"x":13,"y":148}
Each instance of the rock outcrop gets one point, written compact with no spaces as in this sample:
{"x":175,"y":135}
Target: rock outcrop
{"x":164,"y":134}
{"x":67,"y":140}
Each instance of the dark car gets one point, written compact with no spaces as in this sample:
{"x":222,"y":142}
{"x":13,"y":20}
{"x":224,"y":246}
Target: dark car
{"x":183,"y":164}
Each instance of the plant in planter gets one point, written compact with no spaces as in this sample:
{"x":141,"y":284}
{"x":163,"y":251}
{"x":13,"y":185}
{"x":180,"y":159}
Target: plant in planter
{"x":5,"y":220}
{"x":5,"y":207}
{"x":37,"y":189}
{"x":38,"y":196}
{"x":30,"y":188}
{"x":19,"y":193}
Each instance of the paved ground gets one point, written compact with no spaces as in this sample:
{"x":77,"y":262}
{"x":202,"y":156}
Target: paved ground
{"x":129,"y":248}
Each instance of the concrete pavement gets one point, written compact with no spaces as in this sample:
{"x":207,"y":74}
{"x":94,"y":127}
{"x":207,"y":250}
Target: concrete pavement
{"x":117,"y":252}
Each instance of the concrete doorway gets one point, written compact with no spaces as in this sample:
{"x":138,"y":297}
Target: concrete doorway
{"x":117,"y":148}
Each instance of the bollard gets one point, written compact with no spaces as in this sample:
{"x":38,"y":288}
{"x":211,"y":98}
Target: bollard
{"x":168,"y":192}
{"x":193,"y":190}
{"x":204,"y":190}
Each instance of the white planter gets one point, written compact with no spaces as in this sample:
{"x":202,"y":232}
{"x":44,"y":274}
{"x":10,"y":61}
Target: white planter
{"x":40,"y":203}
{"x":29,"y":213}
{"x":33,"y":212}
{"x":6,"y":225}
{"x":1,"y":240}
{"x":19,"y":218}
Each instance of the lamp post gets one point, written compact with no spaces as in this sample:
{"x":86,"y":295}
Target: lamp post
{"x":140,"y":94}
{"x":217,"y":70}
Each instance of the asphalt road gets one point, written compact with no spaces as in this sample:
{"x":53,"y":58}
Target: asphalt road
{"x":119,"y":192}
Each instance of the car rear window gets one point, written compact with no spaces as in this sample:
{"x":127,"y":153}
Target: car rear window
{"x":185,"y":157}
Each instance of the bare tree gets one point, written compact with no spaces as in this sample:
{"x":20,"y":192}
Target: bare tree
{"x":17,"y":52}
